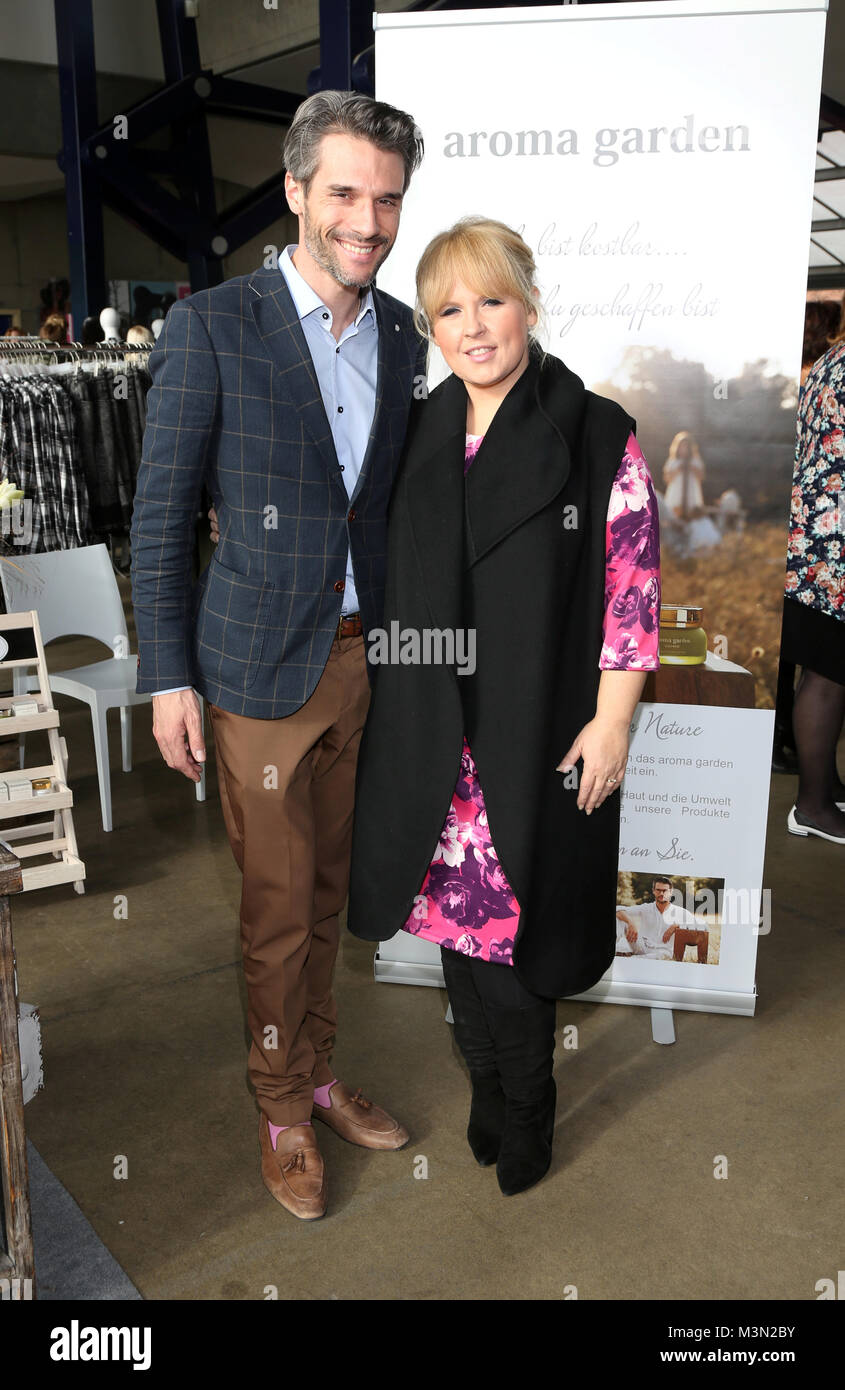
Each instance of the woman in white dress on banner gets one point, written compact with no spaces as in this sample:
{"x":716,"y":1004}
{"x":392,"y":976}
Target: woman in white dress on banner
{"x":684,"y":498}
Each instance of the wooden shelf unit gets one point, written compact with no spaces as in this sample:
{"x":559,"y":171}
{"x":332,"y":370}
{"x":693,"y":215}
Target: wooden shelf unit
{"x":54,"y":833}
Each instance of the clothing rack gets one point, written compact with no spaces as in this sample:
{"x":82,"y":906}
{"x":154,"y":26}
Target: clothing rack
{"x":31,"y":342}
{"x":35,"y":351}
{"x":71,"y":440}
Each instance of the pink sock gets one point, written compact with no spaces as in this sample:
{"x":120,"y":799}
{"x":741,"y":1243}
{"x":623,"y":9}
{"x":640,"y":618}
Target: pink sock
{"x":275,"y":1131}
{"x":321,"y":1095}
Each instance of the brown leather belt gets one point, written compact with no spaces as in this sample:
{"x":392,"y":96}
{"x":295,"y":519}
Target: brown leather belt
{"x":350,"y":626}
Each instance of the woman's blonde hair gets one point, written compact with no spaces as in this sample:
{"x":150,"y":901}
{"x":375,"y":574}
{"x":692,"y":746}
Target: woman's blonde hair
{"x":54,"y":329}
{"x":683,"y":436}
{"x":488,"y":256}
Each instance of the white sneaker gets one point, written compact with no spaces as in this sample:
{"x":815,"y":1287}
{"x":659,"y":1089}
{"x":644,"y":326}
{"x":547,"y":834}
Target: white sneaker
{"x":796,"y":828}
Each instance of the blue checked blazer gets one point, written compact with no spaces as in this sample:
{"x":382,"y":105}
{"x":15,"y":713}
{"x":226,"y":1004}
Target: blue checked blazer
{"x":235,"y":404}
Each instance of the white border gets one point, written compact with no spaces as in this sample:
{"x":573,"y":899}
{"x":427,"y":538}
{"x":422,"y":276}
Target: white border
{"x":637,"y":9}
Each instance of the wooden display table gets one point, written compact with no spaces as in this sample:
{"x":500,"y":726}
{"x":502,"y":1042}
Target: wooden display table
{"x":714,"y":682}
{"x":17,"y":1263}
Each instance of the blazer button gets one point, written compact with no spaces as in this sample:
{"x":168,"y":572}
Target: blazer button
{"x":340,"y":586}
{"x":351,"y":516}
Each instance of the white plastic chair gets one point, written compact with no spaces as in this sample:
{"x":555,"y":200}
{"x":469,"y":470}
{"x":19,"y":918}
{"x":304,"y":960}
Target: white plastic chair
{"x":75,"y":594}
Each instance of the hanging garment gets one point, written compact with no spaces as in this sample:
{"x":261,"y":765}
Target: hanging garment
{"x":38,"y":449}
{"x":72,"y":442}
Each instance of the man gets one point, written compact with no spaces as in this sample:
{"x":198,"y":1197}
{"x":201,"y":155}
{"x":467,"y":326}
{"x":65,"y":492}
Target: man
{"x":649,"y":928}
{"x":287,"y":393}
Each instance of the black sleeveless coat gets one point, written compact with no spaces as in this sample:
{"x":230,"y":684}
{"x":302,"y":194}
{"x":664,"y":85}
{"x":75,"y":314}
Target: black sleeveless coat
{"x":493,"y":552}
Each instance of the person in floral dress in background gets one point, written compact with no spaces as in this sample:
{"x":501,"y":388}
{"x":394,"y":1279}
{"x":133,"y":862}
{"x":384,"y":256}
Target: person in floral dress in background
{"x":814,"y":598}
{"x":519,"y":891}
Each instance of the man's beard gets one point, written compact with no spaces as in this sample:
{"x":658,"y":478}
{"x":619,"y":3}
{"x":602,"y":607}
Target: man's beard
{"x":321,"y":251}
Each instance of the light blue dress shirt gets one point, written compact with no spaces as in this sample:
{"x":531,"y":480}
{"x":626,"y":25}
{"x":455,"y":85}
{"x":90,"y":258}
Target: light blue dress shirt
{"x":347,"y":374}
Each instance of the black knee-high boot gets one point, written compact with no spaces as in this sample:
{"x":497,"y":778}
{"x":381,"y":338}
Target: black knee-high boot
{"x":472,"y":1034}
{"x":524,"y":1041}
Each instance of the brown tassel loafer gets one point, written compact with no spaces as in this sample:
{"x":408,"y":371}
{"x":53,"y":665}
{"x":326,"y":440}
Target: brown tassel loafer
{"x":293,"y":1172}
{"x":359,"y":1121}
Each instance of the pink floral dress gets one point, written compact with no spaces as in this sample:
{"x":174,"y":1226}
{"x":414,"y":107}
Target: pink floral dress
{"x":816,"y":557}
{"x":465,"y":902}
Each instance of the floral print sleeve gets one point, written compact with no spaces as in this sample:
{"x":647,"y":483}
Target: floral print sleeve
{"x":632,"y":569}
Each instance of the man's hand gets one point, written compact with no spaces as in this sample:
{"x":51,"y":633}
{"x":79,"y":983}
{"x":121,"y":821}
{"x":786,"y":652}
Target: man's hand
{"x":176,"y":717}
{"x":631,"y":934}
{"x":215,"y":529}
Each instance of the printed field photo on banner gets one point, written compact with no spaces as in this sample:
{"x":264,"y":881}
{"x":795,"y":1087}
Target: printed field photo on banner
{"x":644,"y":202}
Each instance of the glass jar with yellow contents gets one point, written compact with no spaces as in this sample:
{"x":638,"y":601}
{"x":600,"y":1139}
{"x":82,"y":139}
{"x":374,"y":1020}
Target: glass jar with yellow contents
{"x":683,"y":641}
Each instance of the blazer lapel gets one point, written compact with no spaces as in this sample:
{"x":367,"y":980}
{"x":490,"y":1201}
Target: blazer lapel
{"x":278,"y":325}
{"x":434,"y":481}
{"x":525,"y":457}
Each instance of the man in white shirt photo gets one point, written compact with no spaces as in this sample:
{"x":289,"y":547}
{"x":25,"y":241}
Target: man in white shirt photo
{"x":660,"y":930}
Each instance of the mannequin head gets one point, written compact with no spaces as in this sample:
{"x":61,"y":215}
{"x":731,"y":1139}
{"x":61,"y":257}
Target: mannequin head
{"x":110,"y":324}
{"x":91,"y":332}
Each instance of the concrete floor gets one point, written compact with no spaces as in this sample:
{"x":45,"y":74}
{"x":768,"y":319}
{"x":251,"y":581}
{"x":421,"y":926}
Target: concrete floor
{"x":144,"y":1055}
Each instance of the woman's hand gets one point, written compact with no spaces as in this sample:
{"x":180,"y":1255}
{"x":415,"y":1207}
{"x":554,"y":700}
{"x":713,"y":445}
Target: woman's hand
{"x":215,"y":529}
{"x":603,"y":745}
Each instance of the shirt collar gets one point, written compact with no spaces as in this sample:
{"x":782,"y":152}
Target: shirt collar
{"x":306,"y":300}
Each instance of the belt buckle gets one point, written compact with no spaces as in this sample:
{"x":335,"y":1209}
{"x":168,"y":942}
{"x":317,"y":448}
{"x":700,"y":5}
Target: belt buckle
{"x":343,"y":619}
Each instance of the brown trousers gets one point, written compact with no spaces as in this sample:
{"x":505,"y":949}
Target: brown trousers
{"x":686,"y":936}
{"x":287,"y":788}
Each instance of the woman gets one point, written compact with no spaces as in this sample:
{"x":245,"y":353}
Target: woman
{"x":814,"y":603}
{"x":54,"y":330}
{"x":692,"y":528}
{"x":821,"y":324}
{"x":523,"y":511}
{"x":682,"y":474}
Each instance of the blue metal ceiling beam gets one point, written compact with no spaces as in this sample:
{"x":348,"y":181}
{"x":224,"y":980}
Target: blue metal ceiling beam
{"x":346,"y":30}
{"x":253,"y":213}
{"x":78,"y":102}
{"x":100,"y":167}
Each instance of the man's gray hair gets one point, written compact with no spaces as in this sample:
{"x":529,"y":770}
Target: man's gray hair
{"x":349,"y":113}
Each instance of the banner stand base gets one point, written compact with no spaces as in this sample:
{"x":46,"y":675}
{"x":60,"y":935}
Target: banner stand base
{"x":660,"y":999}
{"x":408,"y":972}
{"x":663,"y":1025}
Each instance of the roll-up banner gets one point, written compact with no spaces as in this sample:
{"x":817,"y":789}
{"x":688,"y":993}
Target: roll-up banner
{"x":659,"y":159}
